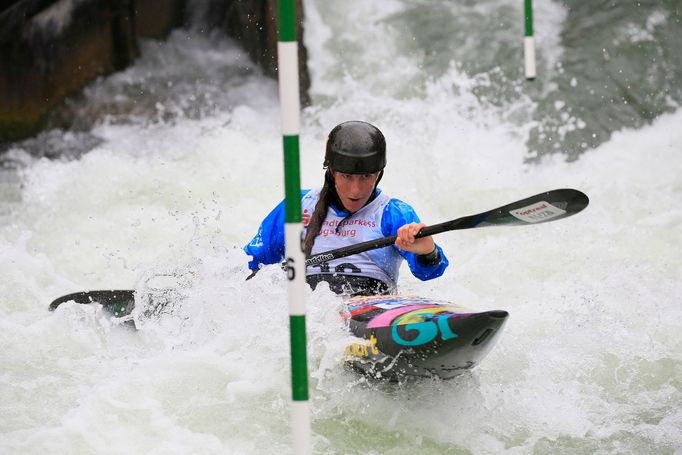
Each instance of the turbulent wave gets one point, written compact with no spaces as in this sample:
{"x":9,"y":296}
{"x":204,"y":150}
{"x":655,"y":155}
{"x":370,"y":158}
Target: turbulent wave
{"x":173,"y":163}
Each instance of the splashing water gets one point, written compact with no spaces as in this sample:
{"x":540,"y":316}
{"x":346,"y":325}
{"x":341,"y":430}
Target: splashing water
{"x":162,"y":189}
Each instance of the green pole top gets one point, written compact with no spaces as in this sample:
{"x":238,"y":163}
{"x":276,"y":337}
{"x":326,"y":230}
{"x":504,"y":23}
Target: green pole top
{"x":287,"y":20}
{"x":528,"y":13}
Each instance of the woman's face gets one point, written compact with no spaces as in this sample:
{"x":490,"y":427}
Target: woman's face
{"x":354,"y":190}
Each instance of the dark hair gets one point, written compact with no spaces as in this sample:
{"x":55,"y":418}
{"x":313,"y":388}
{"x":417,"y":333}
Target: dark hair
{"x":319,"y":214}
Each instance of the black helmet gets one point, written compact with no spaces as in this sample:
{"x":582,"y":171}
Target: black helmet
{"x":355,"y":148}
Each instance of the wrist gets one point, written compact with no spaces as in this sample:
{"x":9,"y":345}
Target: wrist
{"x":431,"y":258}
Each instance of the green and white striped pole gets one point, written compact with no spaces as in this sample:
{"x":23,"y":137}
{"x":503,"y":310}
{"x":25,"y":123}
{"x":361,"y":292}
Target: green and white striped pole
{"x":287,"y":51}
{"x":529,"y":41}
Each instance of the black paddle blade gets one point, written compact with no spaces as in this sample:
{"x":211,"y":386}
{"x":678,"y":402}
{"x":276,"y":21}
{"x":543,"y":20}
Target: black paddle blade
{"x":116,"y":302}
{"x":541,"y":208}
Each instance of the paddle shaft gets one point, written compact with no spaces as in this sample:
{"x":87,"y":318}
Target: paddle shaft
{"x":543,"y":207}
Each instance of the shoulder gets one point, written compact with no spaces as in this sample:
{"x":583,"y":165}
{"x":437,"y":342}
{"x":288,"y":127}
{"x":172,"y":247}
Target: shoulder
{"x":391,"y":204}
{"x":398,"y":205}
{"x":395,"y":214}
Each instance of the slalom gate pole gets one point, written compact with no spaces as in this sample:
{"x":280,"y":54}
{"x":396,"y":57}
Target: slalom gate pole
{"x":529,"y":41}
{"x":287,"y":56}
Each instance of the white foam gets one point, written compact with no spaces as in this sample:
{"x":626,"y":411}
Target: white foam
{"x":589,"y":359}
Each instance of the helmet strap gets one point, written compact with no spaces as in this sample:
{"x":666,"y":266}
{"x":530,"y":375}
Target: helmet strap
{"x":381,"y":174}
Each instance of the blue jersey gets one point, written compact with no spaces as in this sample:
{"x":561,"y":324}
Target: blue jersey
{"x":380,"y":218}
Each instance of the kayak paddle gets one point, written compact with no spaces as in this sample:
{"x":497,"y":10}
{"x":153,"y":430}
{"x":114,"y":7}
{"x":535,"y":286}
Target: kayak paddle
{"x":541,"y":208}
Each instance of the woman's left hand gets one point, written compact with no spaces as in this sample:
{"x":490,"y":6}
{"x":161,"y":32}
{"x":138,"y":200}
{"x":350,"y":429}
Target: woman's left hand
{"x":407,"y":242}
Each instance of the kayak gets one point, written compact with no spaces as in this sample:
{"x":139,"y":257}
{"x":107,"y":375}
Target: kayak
{"x":411,"y":336}
{"x":400,"y":336}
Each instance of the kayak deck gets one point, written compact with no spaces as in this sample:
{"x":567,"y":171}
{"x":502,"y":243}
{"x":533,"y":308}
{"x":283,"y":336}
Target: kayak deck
{"x":412,"y":336}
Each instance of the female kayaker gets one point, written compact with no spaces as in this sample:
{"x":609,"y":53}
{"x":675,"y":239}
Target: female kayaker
{"x":350,"y":209}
